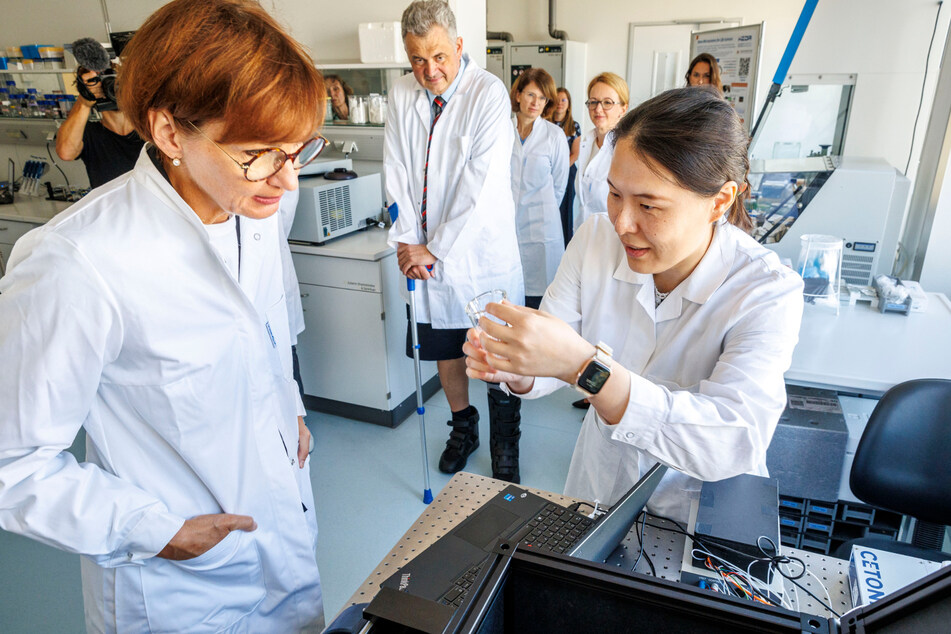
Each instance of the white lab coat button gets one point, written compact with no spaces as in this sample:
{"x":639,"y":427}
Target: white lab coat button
{"x":129,"y":555}
{"x":257,"y":236}
{"x":630,"y":435}
{"x":293,"y":460}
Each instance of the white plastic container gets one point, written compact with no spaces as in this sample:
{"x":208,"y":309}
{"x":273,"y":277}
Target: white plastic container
{"x":380,"y":42}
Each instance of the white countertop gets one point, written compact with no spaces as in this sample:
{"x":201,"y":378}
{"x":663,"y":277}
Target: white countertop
{"x":33,"y":210}
{"x":366,"y":244}
{"x":864,"y":351}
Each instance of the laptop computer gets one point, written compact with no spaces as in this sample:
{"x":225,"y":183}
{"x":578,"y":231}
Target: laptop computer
{"x":443,"y":573}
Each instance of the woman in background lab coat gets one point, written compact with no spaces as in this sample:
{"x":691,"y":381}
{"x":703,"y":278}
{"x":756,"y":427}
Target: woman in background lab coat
{"x":701,"y":318}
{"x":152,"y":314}
{"x":607,"y":103}
{"x":539,"y":179}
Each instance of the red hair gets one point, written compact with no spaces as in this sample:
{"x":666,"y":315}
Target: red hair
{"x":221,"y":61}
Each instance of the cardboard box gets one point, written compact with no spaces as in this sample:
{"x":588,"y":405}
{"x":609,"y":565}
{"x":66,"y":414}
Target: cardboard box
{"x":875,"y":573}
{"x":380,"y":42}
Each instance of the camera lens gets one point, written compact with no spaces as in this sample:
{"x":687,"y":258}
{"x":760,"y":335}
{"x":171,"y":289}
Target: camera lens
{"x":109,"y":87}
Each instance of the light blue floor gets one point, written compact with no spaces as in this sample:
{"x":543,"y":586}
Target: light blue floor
{"x":368,"y":483}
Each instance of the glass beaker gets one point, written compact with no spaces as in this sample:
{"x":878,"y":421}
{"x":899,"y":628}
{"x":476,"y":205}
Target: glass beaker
{"x":820,"y":265}
{"x":476,"y":307}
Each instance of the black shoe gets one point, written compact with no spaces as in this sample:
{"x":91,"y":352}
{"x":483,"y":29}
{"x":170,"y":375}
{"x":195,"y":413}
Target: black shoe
{"x":581,"y":403}
{"x":463,"y":440}
{"x":504,"y":420}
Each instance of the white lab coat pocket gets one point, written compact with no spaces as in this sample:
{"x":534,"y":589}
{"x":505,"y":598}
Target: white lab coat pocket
{"x":210,"y":592}
{"x":532,"y":223}
{"x":463,"y":145}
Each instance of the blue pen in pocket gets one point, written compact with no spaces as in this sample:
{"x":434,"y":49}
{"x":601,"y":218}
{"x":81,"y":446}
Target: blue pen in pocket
{"x":270,"y":334}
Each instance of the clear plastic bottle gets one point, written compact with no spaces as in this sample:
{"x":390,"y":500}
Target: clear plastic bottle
{"x":16,"y":99}
{"x":33,"y":106}
{"x":67,"y":104}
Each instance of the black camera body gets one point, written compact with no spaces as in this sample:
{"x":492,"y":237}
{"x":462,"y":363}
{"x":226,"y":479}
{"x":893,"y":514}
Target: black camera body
{"x":108,"y":100}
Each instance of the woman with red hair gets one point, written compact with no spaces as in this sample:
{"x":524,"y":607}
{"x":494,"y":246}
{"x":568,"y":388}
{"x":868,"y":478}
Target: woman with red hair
{"x":152,"y":314}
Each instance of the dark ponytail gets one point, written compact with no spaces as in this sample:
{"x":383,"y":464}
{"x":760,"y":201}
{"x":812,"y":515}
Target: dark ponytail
{"x":696,"y":136}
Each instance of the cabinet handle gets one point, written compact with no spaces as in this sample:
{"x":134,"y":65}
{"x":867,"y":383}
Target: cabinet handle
{"x":303,"y":295}
{"x":4,"y":228}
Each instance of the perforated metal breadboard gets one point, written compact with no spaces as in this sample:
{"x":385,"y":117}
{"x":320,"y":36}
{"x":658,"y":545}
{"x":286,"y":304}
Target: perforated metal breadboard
{"x":466,"y":492}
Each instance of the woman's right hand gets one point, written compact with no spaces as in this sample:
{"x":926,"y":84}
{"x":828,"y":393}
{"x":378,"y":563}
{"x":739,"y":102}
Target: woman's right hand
{"x":202,"y":533}
{"x":478,"y":367}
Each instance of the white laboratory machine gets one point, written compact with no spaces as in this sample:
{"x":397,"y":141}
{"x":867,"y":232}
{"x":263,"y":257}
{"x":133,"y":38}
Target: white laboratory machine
{"x":860,"y":200}
{"x":563,"y":59}
{"x":332,"y":207}
{"x":802,"y":184}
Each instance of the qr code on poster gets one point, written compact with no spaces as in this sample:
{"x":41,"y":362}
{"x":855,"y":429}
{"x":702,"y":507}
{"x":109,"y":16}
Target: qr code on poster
{"x":744,"y":66}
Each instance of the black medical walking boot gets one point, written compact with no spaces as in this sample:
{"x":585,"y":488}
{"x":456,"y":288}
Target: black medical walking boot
{"x":504,"y":419}
{"x":463,"y":440}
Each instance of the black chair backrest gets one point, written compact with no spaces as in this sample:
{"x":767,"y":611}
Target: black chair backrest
{"x":903,"y":460}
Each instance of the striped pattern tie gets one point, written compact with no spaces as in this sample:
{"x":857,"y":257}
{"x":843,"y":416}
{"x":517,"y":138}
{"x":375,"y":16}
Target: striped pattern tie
{"x":438,"y":104}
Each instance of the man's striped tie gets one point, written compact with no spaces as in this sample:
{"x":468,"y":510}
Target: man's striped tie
{"x":438,"y":104}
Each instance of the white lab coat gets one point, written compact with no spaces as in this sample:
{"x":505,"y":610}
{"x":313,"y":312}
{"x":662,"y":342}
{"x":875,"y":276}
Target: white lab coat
{"x":591,"y":179}
{"x":295,"y":311}
{"x":120,"y":317}
{"x":469,"y":208}
{"x":706,"y":367}
{"x":539,"y":180}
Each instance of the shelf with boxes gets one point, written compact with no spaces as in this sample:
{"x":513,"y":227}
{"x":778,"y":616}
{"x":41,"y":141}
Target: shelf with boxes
{"x":821,"y":527}
{"x":365,"y":86}
{"x":36,"y":94}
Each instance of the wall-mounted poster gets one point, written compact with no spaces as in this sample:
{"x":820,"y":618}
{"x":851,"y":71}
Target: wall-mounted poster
{"x":737,"y":51}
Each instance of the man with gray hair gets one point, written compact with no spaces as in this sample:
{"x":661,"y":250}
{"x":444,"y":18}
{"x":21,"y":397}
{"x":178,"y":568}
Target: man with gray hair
{"x":448,"y":145}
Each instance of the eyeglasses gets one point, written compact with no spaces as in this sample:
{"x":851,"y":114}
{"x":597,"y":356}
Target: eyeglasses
{"x":268,"y":162}
{"x":92,"y":81}
{"x":606,"y":104}
{"x":533,"y":97}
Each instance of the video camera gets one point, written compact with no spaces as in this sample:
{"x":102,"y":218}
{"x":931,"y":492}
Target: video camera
{"x":92,"y":56}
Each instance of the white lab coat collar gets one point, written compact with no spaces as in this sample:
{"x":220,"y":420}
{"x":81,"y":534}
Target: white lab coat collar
{"x":146,"y":173}
{"x":424,"y":105}
{"x":697,"y":288}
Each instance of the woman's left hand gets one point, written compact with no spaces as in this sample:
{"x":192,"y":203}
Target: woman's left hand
{"x":534,"y":343}
{"x":303,"y":442}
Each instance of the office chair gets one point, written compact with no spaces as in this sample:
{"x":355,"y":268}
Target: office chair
{"x":903,"y":464}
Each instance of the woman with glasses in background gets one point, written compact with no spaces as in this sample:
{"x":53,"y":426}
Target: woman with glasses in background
{"x":607,"y":103}
{"x":539,"y":178}
{"x":152,"y":314}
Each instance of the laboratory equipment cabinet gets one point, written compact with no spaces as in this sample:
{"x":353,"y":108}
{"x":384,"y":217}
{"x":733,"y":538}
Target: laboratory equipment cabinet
{"x":352,"y":354}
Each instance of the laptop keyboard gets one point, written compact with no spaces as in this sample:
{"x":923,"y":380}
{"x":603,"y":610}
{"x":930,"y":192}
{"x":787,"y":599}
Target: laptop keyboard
{"x":554,"y":529}
{"x":460,"y":587}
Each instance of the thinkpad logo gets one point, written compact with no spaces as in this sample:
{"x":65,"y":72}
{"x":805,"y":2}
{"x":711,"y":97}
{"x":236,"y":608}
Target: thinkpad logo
{"x":404,"y":581}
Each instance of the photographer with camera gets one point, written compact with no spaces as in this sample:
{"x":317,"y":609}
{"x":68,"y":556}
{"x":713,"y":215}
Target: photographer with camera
{"x":110,"y":147}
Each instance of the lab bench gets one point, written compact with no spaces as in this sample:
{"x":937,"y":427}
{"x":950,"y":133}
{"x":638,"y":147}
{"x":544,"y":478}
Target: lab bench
{"x":352,"y":353}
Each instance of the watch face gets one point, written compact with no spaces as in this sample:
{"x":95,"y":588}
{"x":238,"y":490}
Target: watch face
{"x":594,"y":376}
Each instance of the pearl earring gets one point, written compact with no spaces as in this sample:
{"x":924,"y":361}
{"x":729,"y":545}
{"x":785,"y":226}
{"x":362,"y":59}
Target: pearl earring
{"x":176,"y":162}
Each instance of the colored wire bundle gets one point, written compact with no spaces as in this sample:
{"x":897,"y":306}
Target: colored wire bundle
{"x":751,"y":585}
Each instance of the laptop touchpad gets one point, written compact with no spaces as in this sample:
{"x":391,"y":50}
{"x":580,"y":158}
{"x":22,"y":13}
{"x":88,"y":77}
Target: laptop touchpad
{"x":485,"y":527}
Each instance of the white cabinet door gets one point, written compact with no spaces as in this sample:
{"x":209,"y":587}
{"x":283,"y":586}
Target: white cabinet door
{"x":342,"y":352}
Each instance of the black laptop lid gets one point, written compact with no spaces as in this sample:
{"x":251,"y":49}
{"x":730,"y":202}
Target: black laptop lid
{"x":608,"y":532}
